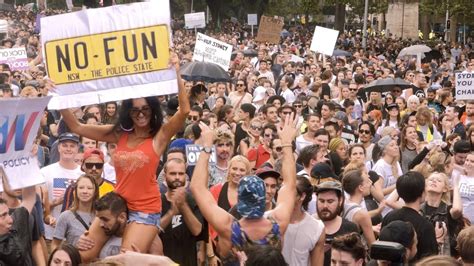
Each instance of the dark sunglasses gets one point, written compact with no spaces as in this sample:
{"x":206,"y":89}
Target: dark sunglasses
{"x":297,"y":105}
{"x":135,"y":112}
{"x":17,"y":76}
{"x":193,"y":117}
{"x":352,"y":89}
{"x":362,"y":131}
{"x":286,"y":113}
{"x":91,"y":165}
{"x":255,"y":127}
{"x":240,"y":85}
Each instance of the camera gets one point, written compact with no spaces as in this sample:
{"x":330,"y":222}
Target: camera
{"x":388,"y":251}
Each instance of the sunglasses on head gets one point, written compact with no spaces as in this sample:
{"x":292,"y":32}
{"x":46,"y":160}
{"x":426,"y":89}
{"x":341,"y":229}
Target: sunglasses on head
{"x":92,"y":165}
{"x":145,"y":110}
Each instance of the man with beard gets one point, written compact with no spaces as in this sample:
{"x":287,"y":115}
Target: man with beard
{"x":224,"y":143}
{"x":182,"y":221}
{"x":328,"y":207}
{"x":313,"y":122}
{"x":469,"y":118}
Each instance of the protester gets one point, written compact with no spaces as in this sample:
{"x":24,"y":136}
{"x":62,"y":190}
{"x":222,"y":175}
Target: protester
{"x":65,"y":254}
{"x":139,"y":123}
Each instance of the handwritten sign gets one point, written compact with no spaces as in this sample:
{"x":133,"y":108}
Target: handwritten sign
{"x":193,"y":151}
{"x":324,"y":40}
{"x":208,"y":49}
{"x":15,"y":58}
{"x":270,"y":29}
{"x":195,"y":20}
{"x":464,"y":86}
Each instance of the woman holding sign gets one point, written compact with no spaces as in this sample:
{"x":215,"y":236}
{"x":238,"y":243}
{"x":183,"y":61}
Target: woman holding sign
{"x":141,"y":140}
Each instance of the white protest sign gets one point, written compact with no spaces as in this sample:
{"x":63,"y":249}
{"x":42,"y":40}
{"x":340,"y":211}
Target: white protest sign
{"x":211,"y":50}
{"x":252,"y":19}
{"x":15,"y":58}
{"x":195,"y":20}
{"x":324,"y":40}
{"x":19,"y":123}
{"x":193,"y":151}
{"x":464,"y":86}
{"x":108,"y":54}
{"x":3,"y":26}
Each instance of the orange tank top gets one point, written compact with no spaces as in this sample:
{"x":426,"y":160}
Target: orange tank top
{"x":135,"y":170}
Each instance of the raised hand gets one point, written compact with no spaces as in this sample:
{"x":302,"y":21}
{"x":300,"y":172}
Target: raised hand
{"x":288,"y":133}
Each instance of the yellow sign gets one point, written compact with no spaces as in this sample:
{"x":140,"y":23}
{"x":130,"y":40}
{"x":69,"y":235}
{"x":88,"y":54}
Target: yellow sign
{"x":109,"y":54}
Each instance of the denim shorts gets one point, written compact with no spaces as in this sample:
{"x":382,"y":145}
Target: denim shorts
{"x":145,"y":218}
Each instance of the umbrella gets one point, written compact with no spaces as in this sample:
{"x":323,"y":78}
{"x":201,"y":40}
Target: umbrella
{"x":433,"y":54}
{"x":204,"y":71}
{"x":414,"y":50}
{"x":250,"y":52}
{"x":339,"y":52}
{"x":383,"y":85}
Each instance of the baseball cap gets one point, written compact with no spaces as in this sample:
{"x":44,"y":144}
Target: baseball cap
{"x":322,"y":170}
{"x":68,"y":136}
{"x":462,"y":146}
{"x":340,"y":115}
{"x":90,"y":152}
{"x":399,"y":232}
{"x":259,"y":94}
{"x":329,"y":185}
{"x":251,"y":197}
{"x":392,"y":105}
{"x":265,"y":172}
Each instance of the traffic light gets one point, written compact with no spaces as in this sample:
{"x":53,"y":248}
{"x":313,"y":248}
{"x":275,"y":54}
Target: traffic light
{"x":448,"y":24}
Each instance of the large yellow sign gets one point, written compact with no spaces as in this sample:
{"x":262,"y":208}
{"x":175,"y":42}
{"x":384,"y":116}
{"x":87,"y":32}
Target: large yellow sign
{"x":109,"y":54}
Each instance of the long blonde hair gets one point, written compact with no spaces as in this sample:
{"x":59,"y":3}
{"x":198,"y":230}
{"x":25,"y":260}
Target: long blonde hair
{"x":240,"y":159}
{"x":75,"y":202}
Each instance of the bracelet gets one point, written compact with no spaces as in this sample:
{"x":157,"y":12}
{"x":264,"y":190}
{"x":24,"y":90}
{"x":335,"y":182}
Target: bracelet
{"x":210,"y":257}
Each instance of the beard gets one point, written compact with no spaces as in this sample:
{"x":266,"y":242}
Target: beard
{"x":327,"y":215}
{"x":175,"y":184}
{"x":112,"y":231}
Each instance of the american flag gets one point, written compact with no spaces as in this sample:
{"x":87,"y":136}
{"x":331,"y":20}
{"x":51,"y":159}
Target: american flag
{"x":60,"y":185}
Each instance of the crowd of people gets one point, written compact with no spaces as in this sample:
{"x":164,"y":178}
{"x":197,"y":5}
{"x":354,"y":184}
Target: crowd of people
{"x":299,"y":164}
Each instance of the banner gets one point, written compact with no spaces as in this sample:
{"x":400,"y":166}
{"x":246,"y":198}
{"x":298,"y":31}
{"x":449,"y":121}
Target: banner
{"x":464,"y":86}
{"x":19,"y":123}
{"x":193,"y":151}
{"x":15,"y":58}
{"x":270,"y":29}
{"x":108,"y":54}
{"x":324,"y":40}
{"x":208,"y":49}
{"x":195,"y":20}
{"x":252,"y":19}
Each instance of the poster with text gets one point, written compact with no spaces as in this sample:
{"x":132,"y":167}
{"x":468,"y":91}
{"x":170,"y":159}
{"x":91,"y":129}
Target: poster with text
{"x":269,"y":29}
{"x":19,"y":123}
{"x":108,"y":54}
{"x":464,"y":86}
{"x":208,"y":49}
{"x":15,"y":58}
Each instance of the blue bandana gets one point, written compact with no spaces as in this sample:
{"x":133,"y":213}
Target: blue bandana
{"x":251,"y":197}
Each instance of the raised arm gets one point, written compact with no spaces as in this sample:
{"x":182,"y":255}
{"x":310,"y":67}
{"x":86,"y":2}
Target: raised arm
{"x":217,"y":217}
{"x":456,"y":209}
{"x":96,"y":132}
{"x":287,"y":193}
{"x":177,"y":120}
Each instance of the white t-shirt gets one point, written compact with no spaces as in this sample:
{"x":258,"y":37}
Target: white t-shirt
{"x":384,"y":170}
{"x":466,"y":190}
{"x":57,"y":180}
{"x":301,"y":142}
{"x":289,"y":96}
{"x":109,"y":173}
{"x":300,"y":239}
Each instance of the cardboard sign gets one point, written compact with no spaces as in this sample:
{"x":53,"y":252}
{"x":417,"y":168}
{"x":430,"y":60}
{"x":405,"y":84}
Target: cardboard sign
{"x":96,"y":55}
{"x":211,"y":50}
{"x":19,"y":122}
{"x":464,"y":86}
{"x":270,"y":29}
{"x":252,"y":19}
{"x":193,"y":151}
{"x":15,"y":58}
{"x":324,"y":40}
{"x":195,"y":20}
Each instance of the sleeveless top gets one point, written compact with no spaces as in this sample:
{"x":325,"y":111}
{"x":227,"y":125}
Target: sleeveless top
{"x":240,"y":241}
{"x":136,"y":175}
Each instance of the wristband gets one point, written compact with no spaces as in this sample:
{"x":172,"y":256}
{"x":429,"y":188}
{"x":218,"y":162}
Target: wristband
{"x":210,"y":257}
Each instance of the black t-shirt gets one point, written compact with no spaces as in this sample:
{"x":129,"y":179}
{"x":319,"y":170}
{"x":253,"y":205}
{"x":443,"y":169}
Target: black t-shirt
{"x":16,"y":245}
{"x":346,"y":228}
{"x":326,"y":90}
{"x":418,"y":92}
{"x":178,"y":242}
{"x":427,"y":244}
{"x":240,"y":134}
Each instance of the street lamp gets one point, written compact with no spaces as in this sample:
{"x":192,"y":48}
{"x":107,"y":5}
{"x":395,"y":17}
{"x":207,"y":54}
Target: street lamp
{"x":366,"y":11}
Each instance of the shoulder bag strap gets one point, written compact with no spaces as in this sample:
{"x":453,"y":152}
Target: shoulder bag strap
{"x":79,"y":218}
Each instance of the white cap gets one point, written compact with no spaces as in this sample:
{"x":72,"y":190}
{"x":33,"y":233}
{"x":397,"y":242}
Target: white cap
{"x":259,"y":94}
